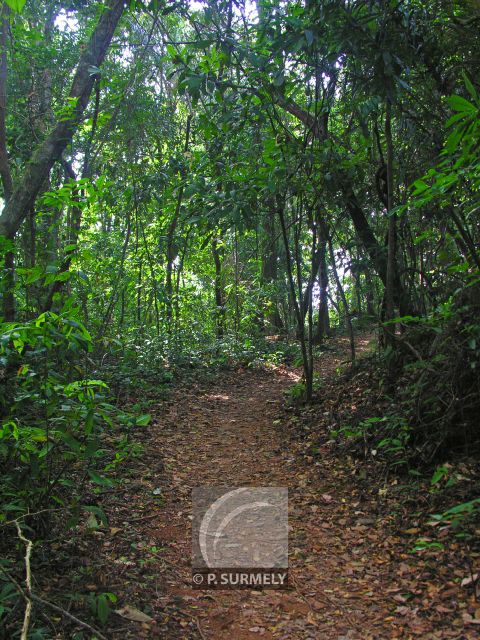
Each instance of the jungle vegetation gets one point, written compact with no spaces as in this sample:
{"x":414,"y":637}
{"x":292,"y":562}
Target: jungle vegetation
{"x":194,"y":184}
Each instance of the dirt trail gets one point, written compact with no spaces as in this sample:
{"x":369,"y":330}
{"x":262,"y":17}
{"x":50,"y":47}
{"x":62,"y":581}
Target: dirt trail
{"x":227,"y":436}
{"x":230,"y":432}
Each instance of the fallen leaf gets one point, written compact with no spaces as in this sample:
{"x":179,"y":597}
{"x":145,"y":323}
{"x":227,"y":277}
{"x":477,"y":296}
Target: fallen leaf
{"x":403,"y":611}
{"x":441,"y":609}
{"x":399,"y":598}
{"x":469,"y":580}
{"x":130,"y":613}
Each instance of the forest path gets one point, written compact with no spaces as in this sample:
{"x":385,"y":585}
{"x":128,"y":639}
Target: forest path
{"x":226,"y":435}
{"x":230,"y":432}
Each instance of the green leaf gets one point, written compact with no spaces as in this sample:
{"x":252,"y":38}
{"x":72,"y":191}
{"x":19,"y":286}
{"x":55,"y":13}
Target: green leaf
{"x":16,"y":5}
{"x":143,"y":420}
{"x":35,"y":273}
{"x":172,"y":52}
{"x":93,"y":70}
{"x":71,"y":442}
{"x":103,"y":610}
{"x":455,"y":118}
{"x":470,"y":88}
{"x":89,"y":421}
{"x":458,"y":103}
{"x":100,"y":480}
{"x":92,"y":522}
{"x":97,"y":511}
{"x":440,"y":473}
{"x":420,"y":186}
{"x":103,"y":606}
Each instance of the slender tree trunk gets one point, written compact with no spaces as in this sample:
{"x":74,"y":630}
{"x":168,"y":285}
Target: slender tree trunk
{"x":139,"y":294}
{"x":113,"y":299}
{"x":369,"y":294}
{"x":348,"y":318}
{"x":269,"y":267}
{"x":177,"y":280}
{"x":315,"y":266}
{"x":323,"y":323}
{"x":237,"y":283}
{"x":74,"y":231}
{"x":171,"y":246}
{"x":295,"y":294}
{"x":139,"y":264}
{"x":153,"y":279}
{"x":219,"y":294}
{"x":390,"y":284}
{"x":356,"y":275}
{"x":122,"y":309}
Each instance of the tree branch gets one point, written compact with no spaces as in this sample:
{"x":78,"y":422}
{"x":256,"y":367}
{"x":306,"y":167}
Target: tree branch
{"x":5,"y":174}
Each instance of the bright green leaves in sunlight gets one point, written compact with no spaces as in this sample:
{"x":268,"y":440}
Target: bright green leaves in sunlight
{"x":16,"y":5}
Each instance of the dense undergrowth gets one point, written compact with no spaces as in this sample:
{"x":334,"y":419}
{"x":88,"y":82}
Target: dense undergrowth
{"x":418,"y":431}
{"x":71,"y":415}
{"x":431,"y":405}
{"x":61,"y":401}
{"x":73,"y":412}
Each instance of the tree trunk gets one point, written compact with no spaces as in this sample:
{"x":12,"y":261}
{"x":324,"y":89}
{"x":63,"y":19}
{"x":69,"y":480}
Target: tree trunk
{"x":374,"y":250}
{"x":369,"y":294}
{"x":4,"y":163}
{"x":390,"y":284}
{"x":269,"y":267}
{"x":171,"y":246}
{"x":76,"y":219}
{"x":8,"y":284}
{"x":323,"y":322}
{"x":52,"y":147}
{"x":341,"y":292}
{"x":296,"y":297}
{"x":219,"y":296}
{"x":113,"y":299}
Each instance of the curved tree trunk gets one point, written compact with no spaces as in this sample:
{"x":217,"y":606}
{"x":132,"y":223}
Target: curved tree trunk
{"x":51,"y":149}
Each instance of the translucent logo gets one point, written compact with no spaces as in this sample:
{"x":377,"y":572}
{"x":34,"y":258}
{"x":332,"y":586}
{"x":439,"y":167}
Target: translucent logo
{"x":244,"y":527}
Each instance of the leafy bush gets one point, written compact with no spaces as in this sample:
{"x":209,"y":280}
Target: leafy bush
{"x":439,"y":385}
{"x":161,"y":357}
{"x":53,"y":415}
{"x":386,"y":438}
